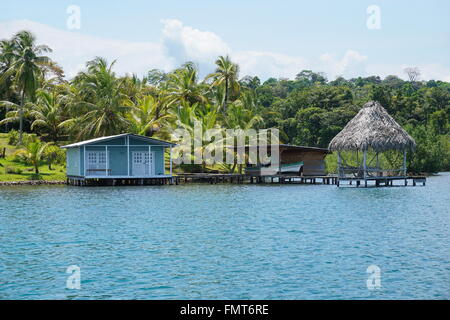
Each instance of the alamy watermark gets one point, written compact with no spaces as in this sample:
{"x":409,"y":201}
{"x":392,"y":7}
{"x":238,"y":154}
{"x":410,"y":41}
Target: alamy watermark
{"x":374,"y":19}
{"x":227,"y":146}
{"x":374,"y":280}
{"x":74,"y":280}
{"x":73,"y":21}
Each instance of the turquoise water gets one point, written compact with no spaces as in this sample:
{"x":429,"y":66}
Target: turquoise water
{"x":225,"y":241}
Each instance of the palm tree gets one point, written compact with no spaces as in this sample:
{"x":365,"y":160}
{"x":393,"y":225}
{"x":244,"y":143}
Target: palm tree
{"x":147,"y":116}
{"x":188,"y":117}
{"x":183,"y":86}
{"x":7,"y":48}
{"x":48,"y":113}
{"x":100,"y":98}
{"x":15,"y":111}
{"x":242,"y":116}
{"x":134,"y":87}
{"x":226,"y":76}
{"x":33,"y":153}
{"x":26,"y":69}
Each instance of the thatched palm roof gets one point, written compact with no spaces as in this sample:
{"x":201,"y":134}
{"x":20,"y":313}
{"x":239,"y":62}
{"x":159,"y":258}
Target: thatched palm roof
{"x":372,"y":128}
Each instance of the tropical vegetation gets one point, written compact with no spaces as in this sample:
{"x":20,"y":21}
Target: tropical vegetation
{"x":36,"y":98}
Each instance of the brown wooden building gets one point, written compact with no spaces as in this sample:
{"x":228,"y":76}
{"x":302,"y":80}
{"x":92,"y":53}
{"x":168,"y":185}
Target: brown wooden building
{"x":312,"y":159}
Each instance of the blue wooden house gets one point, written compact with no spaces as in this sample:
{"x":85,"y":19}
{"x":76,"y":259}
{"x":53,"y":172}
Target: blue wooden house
{"x":123,"y":158}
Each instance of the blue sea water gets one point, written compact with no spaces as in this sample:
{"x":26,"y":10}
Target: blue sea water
{"x":198,"y":241}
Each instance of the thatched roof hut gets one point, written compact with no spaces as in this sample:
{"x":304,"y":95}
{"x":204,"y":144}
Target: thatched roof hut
{"x":372,"y":128}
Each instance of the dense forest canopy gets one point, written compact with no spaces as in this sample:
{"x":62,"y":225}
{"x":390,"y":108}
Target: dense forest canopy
{"x":308,"y":110}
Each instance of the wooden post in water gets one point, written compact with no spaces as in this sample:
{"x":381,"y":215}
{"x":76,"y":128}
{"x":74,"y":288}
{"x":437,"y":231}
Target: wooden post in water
{"x":404,"y":167}
{"x":365,"y":168}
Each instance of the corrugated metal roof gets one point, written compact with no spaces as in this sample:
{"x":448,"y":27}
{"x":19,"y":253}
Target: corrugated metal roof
{"x":86,"y":142}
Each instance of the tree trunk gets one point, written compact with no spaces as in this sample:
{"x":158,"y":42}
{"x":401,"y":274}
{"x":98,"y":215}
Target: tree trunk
{"x":226,"y":95}
{"x":21,"y":117}
{"x":36,"y":169}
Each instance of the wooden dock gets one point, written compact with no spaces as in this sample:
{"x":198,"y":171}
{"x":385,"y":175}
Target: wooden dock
{"x":214,"y":178}
{"x":395,"y":181}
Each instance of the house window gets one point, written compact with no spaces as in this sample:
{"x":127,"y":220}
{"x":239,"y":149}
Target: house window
{"x":102,"y":157}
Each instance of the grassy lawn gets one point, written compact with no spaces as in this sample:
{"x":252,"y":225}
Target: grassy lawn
{"x":22,"y":170}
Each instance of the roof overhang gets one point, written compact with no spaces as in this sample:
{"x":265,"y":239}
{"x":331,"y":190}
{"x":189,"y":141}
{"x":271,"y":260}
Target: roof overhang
{"x":107,"y":138}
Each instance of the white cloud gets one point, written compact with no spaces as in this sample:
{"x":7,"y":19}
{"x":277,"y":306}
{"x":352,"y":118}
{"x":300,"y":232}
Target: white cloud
{"x":351,"y":65}
{"x":268,"y":64}
{"x":427,"y":71}
{"x":71,"y":49}
{"x":186,"y":43}
{"x":182,"y":43}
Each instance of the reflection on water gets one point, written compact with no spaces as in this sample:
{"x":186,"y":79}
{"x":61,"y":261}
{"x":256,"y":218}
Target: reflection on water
{"x":225,"y":241}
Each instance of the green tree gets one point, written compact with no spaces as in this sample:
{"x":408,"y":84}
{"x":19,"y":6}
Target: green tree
{"x":183,"y":86}
{"x":147,"y":116}
{"x":48,"y":114}
{"x":33,"y":153}
{"x":26,"y":68}
{"x":100,"y":95}
{"x":225,"y":76}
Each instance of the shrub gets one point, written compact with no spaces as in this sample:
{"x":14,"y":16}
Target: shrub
{"x":54,"y":155}
{"x":13,"y":170}
{"x":9,"y":170}
{"x":13,"y":137}
{"x":29,"y":138}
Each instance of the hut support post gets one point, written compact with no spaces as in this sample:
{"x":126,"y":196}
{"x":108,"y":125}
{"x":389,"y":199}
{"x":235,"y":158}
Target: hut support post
{"x":404,"y":167}
{"x":404,"y":163}
{"x":378,"y":165}
{"x":339,"y":164}
{"x":365,"y":168}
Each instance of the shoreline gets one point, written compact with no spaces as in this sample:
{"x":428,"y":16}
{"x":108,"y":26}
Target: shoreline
{"x":64,"y":182}
{"x":32,"y":182}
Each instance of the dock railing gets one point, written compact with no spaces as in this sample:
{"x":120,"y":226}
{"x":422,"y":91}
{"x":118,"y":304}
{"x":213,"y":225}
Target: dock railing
{"x":358,"y":172}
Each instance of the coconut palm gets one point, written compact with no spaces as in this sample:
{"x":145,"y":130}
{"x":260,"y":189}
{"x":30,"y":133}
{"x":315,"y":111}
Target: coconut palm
{"x":183,"y":86}
{"x":7,"y":48}
{"x":99,"y":95}
{"x":241,"y":116}
{"x":191,"y":117}
{"x":48,"y":114}
{"x":226,"y":76}
{"x":14,"y":112}
{"x":147,"y":116}
{"x":26,"y":69}
{"x":33,"y":153}
{"x":134,"y":87}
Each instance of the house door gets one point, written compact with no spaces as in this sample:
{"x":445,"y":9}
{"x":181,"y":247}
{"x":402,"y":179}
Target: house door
{"x":143,"y":163}
{"x":96,"y":163}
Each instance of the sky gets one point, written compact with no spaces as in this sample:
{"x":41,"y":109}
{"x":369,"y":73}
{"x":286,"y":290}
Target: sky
{"x":278,"y":39}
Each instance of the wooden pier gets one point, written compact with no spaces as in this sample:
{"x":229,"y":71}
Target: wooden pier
{"x":380,"y":181}
{"x":215,"y":178}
